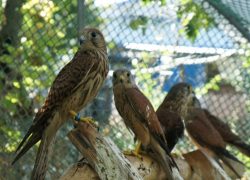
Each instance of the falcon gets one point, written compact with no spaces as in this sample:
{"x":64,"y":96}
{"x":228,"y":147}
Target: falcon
{"x":204,"y":135}
{"x":228,"y":136}
{"x":140,"y":118}
{"x":172,"y":111}
{"x":75,"y":86}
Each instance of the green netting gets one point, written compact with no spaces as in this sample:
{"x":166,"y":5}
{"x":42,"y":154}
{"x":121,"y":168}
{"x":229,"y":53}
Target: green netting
{"x":205,"y":43}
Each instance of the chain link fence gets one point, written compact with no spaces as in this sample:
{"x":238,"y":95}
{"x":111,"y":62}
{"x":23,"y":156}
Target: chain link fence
{"x":205,"y":43}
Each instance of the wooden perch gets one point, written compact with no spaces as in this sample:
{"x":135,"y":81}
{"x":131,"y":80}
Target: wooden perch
{"x":102,"y":154}
{"x":148,"y":170}
{"x":105,"y":161}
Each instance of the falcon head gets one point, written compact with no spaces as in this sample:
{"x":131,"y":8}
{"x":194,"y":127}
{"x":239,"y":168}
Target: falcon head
{"x":91,"y":39}
{"x":123,"y":78}
{"x":181,"y":89}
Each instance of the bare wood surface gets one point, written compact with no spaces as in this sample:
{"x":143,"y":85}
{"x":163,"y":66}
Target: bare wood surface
{"x":102,"y":154}
{"x":148,"y":169}
{"x":205,"y":166}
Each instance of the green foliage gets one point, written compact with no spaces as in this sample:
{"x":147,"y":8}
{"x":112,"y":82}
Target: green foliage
{"x":162,"y":2}
{"x":148,"y":85}
{"x":140,"y":21}
{"x":212,"y":84}
{"x":193,"y":19}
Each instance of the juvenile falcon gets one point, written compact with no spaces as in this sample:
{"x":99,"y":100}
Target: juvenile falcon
{"x":140,"y":117}
{"x":172,"y":111}
{"x":204,"y":135}
{"x":75,"y":86}
{"x":228,"y":136}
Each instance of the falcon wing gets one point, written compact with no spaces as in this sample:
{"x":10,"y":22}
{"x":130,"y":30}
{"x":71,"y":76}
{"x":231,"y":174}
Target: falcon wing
{"x":66,"y":81}
{"x":227,"y":134}
{"x":172,"y":124}
{"x":202,"y":131}
{"x":142,"y":106}
{"x":221,"y":127}
{"x":144,"y":109}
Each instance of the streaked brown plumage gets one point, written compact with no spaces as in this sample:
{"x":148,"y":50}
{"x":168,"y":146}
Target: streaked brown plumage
{"x":172,"y":111}
{"x":203,"y":134}
{"x":75,"y":86}
{"x":228,"y":136}
{"x":140,"y":117}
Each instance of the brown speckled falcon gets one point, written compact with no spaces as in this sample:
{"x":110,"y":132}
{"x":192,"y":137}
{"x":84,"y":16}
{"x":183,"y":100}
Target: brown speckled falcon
{"x":204,"y":135}
{"x":172,"y":111}
{"x":75,"y":86}
{"x":228,"y":136}
{"x":140,"y":117}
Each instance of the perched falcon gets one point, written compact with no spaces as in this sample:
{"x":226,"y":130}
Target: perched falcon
{"x":140,"y":117}
{"x":75,"y":86}
{"x":204,"y":135}
{"x":228,"y":136}
{"x":172,"y":111}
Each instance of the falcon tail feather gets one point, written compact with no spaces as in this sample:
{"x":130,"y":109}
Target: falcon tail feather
{"x":242,"y":147}
{"x":32,"y":140}
{"x":226,"y":153}
{"x":166,"y":149}
{"x":43,"y":158}
{"x":36,"y":134}
{"x":162,"y":157}
{"x":222,"y":153}
{"x":229,"y":166}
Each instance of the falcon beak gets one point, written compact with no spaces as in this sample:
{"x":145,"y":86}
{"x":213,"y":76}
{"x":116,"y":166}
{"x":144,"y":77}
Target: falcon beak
{"x":121,"y":78}
{"x":82,"y":39}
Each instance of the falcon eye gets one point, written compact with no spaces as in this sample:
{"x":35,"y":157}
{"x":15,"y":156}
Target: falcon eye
{"x":128,"y":74}
{"x":114,"y":75}
{"x":188,"y":87}
{"x":93,"y":34}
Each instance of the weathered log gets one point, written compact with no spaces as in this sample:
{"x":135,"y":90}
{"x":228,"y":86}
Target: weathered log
{"x":148,"y":169}
{"x":102,"y":154}
{"x":105,"y":161}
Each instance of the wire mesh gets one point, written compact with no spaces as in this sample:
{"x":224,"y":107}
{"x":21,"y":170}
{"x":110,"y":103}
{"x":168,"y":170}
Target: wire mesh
{"x":162,"y":42}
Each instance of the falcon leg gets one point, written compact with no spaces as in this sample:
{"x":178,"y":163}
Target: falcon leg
{"x":136,"y":151}
{"x":77,"y":118}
